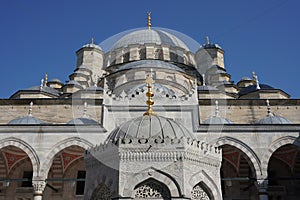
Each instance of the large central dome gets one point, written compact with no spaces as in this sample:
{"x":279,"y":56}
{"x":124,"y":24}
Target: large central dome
{"x":150,"y":36}
{"x":155,"y":35}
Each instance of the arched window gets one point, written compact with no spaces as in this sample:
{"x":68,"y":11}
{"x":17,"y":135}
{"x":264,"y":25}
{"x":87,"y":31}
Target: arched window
{"x":151,"y":189}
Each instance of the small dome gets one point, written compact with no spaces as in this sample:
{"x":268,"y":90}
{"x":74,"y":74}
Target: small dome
{"x":82,"y":120}
{"x":72,"y":82}
{"x":26,"y":120}
{"x":92,"y":46}
{"x":45,"y":89}
{"x":246,"y":79}
{"x":274,"y":120}
{"x":94,"y":88}
{"x":149,"y":126}
{"x":150,"y":64}
{"x":253,"y":88}
{"x":207,"y":46}
{"x":206,"y":88}
{"x":217,"y":120}
{"x":55,"y":80}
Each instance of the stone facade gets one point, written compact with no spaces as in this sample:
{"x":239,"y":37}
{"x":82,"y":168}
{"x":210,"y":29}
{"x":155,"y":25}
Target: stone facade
{"x":46,"y":154}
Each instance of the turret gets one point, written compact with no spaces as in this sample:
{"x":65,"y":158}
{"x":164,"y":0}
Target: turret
{"x":88,"y":68}
{"x":91,"y":56}
{"x":208,"y":55}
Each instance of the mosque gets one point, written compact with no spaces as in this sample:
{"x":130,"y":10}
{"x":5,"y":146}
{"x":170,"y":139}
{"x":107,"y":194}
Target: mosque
{"x":150,"y":114}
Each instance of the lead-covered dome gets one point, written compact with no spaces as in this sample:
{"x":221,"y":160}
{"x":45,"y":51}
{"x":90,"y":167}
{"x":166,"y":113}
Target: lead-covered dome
{"x":155,"y":35}
{"x":149,"y":126}
{"x":26,"y":120}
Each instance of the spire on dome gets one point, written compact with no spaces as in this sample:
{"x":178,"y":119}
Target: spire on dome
{"x":92,"y":40}
{"x":45,"y":79}
{"x":149,"y":80}
{"x":30,"y":109}
{"x":217,"y":108}
{"x":255,"y":78}
{"x":207,"y":40}
{"x":269,"y":108}
{"x":85,"y":110}
{"x":149,"y":20}
{"x":42,"y":84}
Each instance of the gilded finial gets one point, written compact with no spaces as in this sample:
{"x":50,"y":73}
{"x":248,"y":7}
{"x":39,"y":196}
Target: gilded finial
{"x":216,"y":108}
{"x":46,"y":79}
{"x":92,"y":40}
{"x":207,"y":40}
{"x":149,"y":20}
{"x":149,"y":94}
{"x":30,"y":109}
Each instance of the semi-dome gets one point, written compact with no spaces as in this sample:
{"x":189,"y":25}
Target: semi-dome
{"x":26,"y":120}
{"x":155,"y":35}
{"x":149,"y":126}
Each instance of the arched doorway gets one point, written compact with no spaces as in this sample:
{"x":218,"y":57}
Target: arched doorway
{"x":151,"y":189}
{"x":16,"y":173}
{"x":284,"y":173}
{"x":237,"y":174}
{"x":66,"y":177}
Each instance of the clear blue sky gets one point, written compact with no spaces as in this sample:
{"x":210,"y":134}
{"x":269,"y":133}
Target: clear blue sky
{"x":42,"y":36}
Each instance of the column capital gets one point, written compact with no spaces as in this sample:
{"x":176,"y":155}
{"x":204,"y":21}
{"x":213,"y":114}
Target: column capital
{"x":262,"y":183}
{"x":38,"y":186}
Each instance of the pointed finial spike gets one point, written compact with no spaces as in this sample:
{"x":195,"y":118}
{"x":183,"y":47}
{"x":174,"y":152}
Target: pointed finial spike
{"x":207,"y":40}
{"x":149,"y":20}
{"x":85,"y":109}
{"x":216,"y":108}
{"x":268,"y":108}
{"x":46,"y":79}
{"x":42,"y":84}
{"x":255,"y":78}
{"x":92,"y":40}
{"x":203,"y":76}
{"x":30,"y":109}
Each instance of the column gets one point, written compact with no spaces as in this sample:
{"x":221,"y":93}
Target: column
{"x":38,"y":188}
{"x":262,"y":189}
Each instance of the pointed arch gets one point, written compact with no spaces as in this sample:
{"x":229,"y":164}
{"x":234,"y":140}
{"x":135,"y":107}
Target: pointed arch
{"x":151,"y":188}
{"x":210,"y":184}
{"x":29,"y":150}
{"x":73,"y":141}
{"x":276,"y":145}
{"x":151,"y":173}
{"x":255,"y":161}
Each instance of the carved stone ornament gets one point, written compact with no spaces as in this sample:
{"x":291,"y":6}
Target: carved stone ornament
{"x":152,"y":189}
{"x":39,"y":186}
{"x":199,"y":194}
